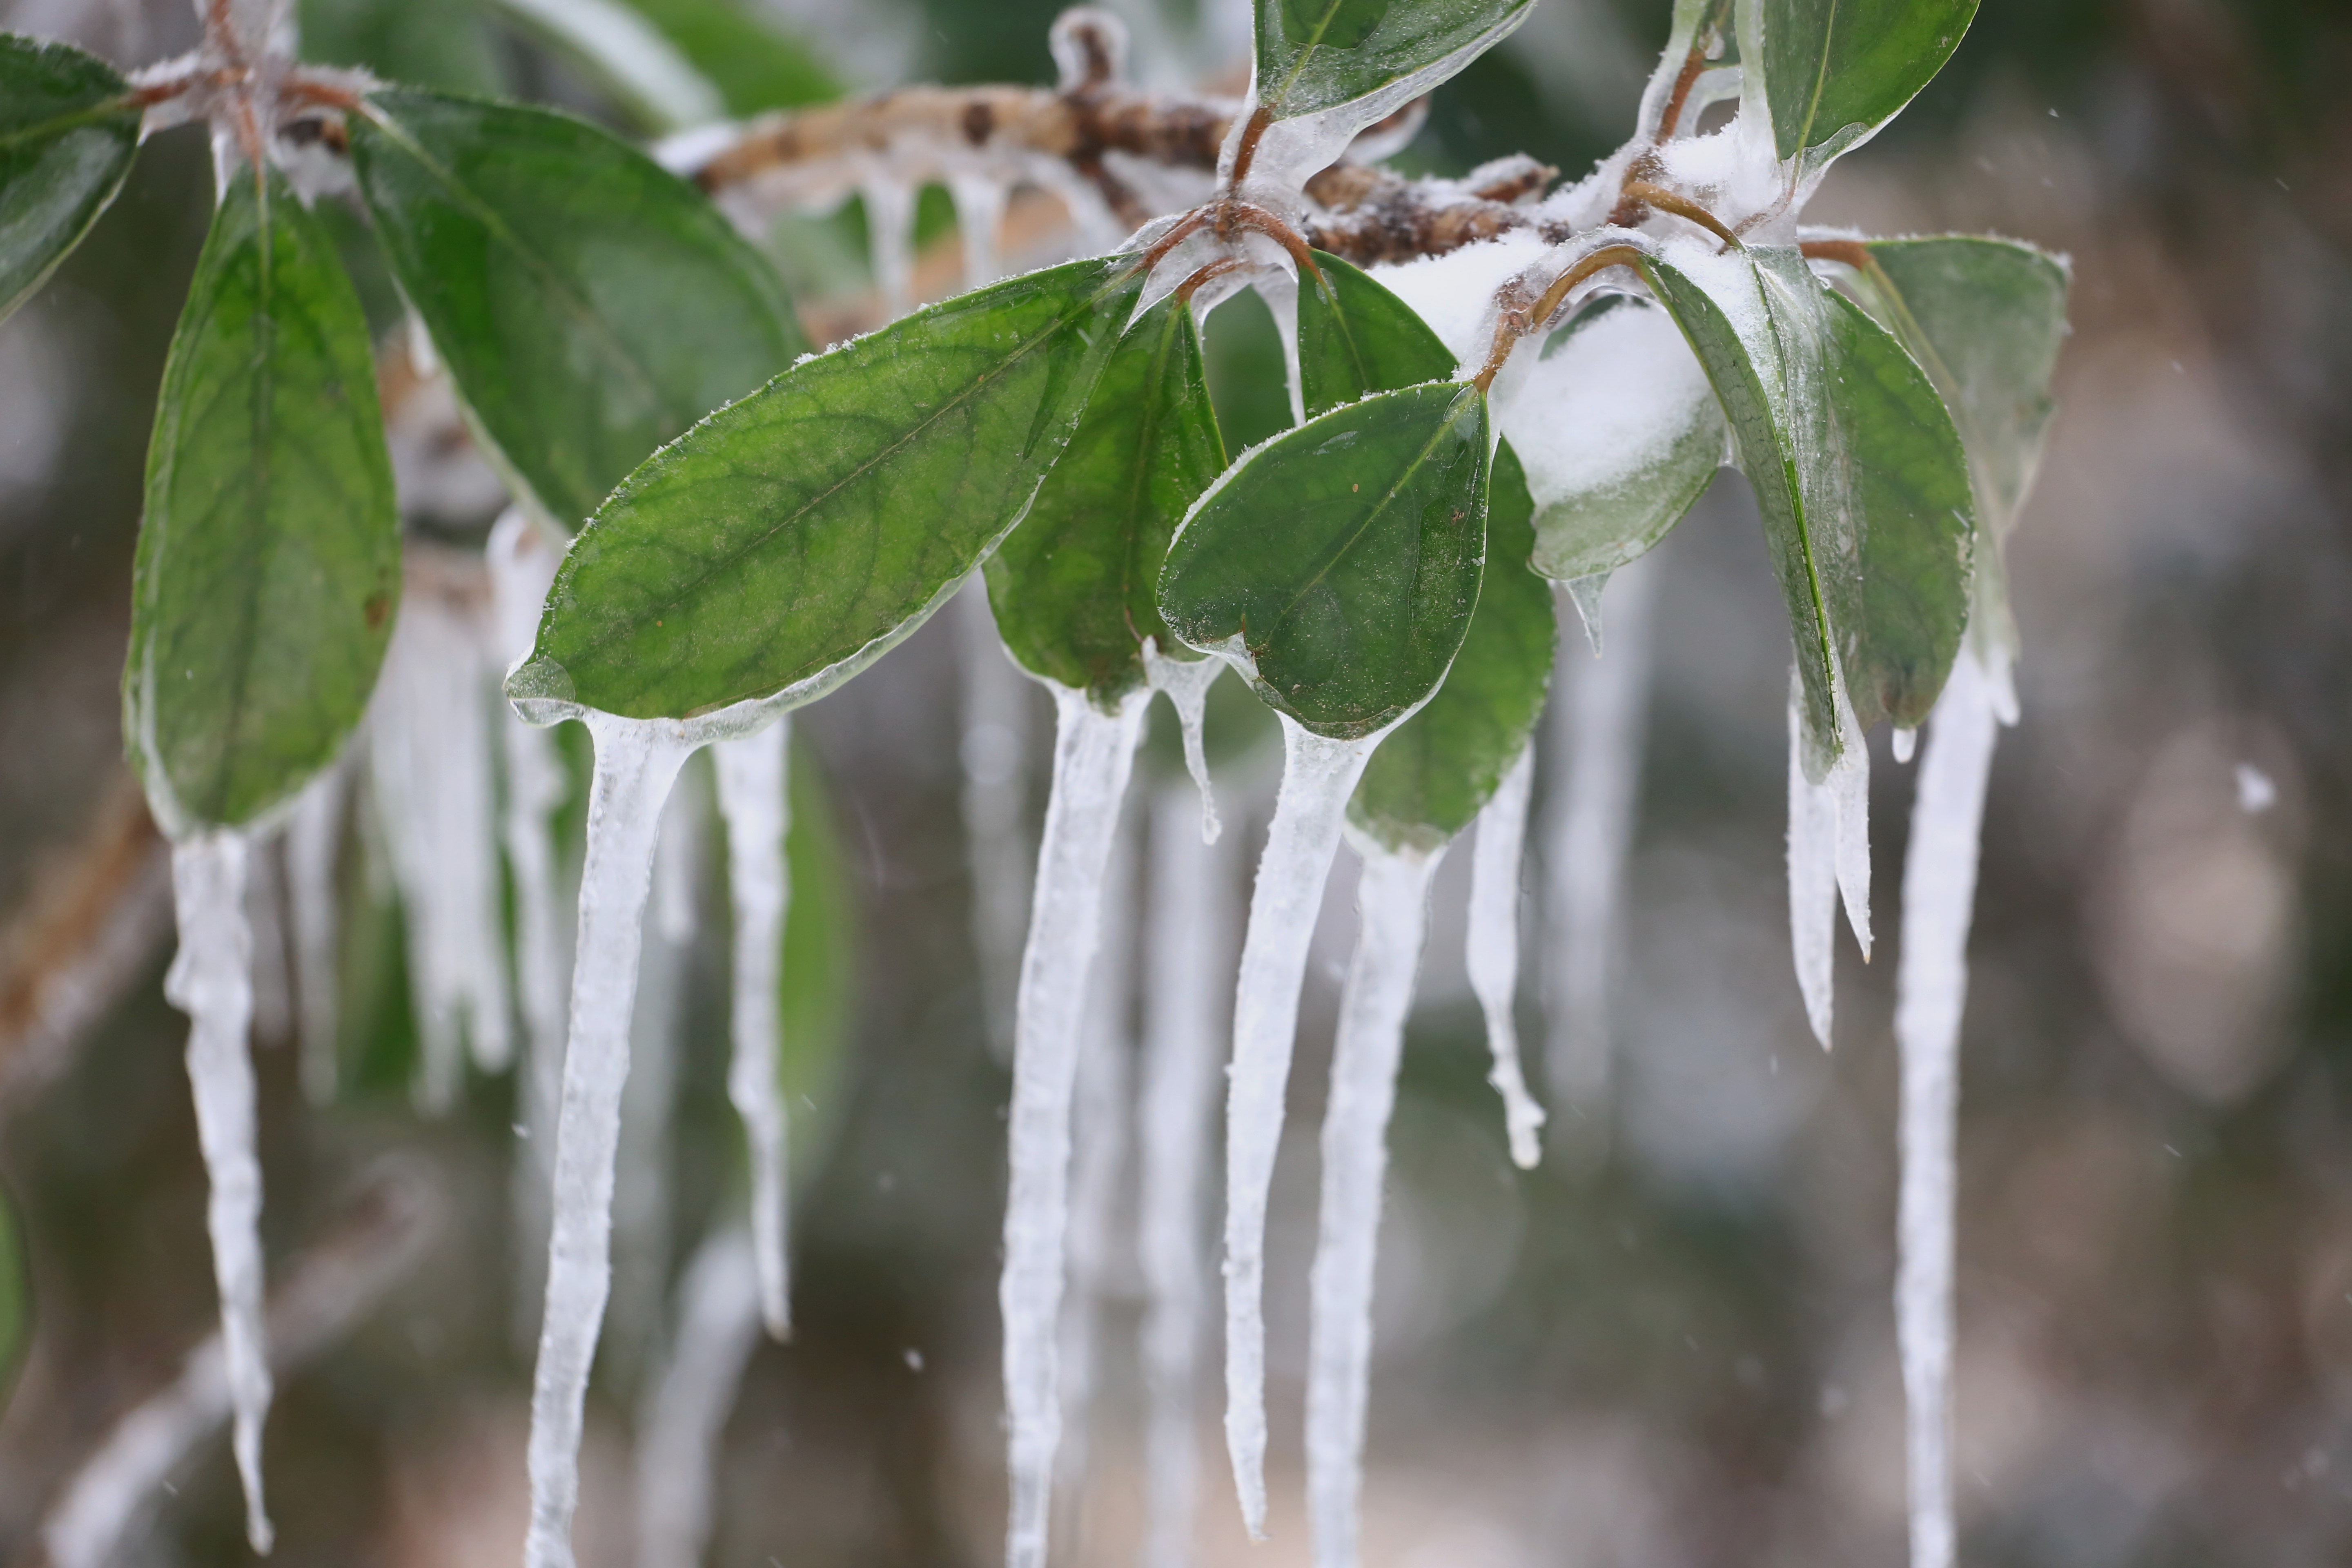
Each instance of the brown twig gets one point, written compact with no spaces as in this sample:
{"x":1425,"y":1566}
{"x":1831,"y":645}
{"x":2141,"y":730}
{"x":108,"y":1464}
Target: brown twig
{"x":1513,"y":325}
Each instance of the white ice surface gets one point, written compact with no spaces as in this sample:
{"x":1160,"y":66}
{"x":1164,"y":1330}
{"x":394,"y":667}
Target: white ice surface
{"x":757,"y":811}
{"x":1492,"y":950}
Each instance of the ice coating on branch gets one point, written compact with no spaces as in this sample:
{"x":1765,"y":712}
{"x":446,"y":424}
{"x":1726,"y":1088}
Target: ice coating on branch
{"x":1098,"y":1163}
{"x":1187,"y":684}
{"x":1593,"y":753}
{"x":890,"y":240}
{"x":210,"y":981}
{"x":636,"y":763}
{"x":1188,"y":959}
{"x":1391,"y":904}
{"x":1939,"y":881}
{"x":1317,"y":777}
{"x":1492,"y":950}
{"x":995,"y":751}
{"x":717,"y":1328}
{"x":980,"y":220}
{"x":757,"y":811}
{"x":1828,"y":855}
{"x":313,"y":834}
{"x":1093,"y":754}
{"x":428,"y":750}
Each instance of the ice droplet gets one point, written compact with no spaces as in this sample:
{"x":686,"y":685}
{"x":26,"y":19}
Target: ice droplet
{"x":210,"y":981}
{"x":752,"y":800}
{"x":1391,"y":903}
{"x":1940,"y":878}
{"x":1188,"y":958}
{"x":1093,"y":754}
{"x":717,"y":1327}
{"x":1492,"y":950}
{"x":636,"y":763}
{"x":1317,"y":777}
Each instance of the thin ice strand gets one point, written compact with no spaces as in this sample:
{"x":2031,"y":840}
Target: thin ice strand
{"x":210,"y":981}
{"x":1812,"y":877}
{"x":1317,"y":777}
{"x":752,"y":800}
{"x":1940,"y":879}
{"x":717,"y":1328}
{"x":1188,"y":959}
{"x":995,"y":751}
{"x":1492,"y":951}
{"x":636,"y":763}
{"x":890,"y":240}
{"x":1187,"y":684}
{"x":1093,"y":754}
{"x":1391,"y":904}
{"x":1593,"y":757}
{"x":980,"y":220}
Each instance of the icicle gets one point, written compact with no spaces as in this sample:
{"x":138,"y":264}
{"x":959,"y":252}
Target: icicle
{"x":1317,"y":777}
{"x":980,"y":220}
{"x":752,"y":800}
{"x":1594,"y":759}
{"x":211,"y":982}
{"x":265,"y":916}
{"x":1828,"y":857}
{"x":996,"y":708}
{"x":1585,"y":595}
{"x":890,"y":240}
{"x":523,"y":562}
{"x":1098,"y":1162}
{"x":1093,"y":754}
{"x":1392,"y":905}
{"x":717,"y":1328}
{"x":313,"y":837}
{"x":1905,"y":741}
{"x":429,"y":751}
{"x":1188,"y":959}
{"x":1939,"y":881}
{"x":641,"y":1193}
{"x":1187,"y":684}
{"x":1492,"y":952}
{"x":636,"y":763}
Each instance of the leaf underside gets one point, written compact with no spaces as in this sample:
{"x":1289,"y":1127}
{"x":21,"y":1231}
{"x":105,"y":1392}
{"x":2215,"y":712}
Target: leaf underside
{"x":590,"y":305}
{"x":1340,"y":562}
{"x":268,"y":559}
{"x":68,"y":135}
{"x":1075,"y":587}
{"x":797,"y":534}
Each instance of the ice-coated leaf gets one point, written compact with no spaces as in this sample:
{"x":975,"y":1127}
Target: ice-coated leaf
{"x":590,"y":305}
{"x":1431,"y":777}
{"x":269,"y":560}
{"x":68,"y":133}
{"x":797,"y":535}
{"x":1337,"y":565}
{"x":1985,"y":318}
{"x":1314,"y":55}
{"x":1621,"y":435}
{"x":1857,"y":471}
{"x":1836,"y":66}
{"x":1075,"y":587}
{"x":1356,"y":337}
{"x":741,"y":51}
{"x":16,"y":1296}
{"x":1906,"y":479}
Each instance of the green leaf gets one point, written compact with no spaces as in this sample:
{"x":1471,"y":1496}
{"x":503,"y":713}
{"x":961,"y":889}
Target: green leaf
{"x":1314,"y":55}
{"x":819,"y":971}
{"x":1430,"y":778}
{"x":1356,"y":337}
{"x":590,"y":305}
{"x":444,"y":44}
{"x":1337,"y":565}
{"x":1985,"y":318}
{"x":1836,"y":70}
{"x":15,"y":1297}
{"x":1076,"y":586}
{"x":68,"y":133}
{"x":269,"y":560}
{"x":1856,"y":471}
{"x":740,"y":52}
{"x":1626,"y":436}
{"x":796,"y":536}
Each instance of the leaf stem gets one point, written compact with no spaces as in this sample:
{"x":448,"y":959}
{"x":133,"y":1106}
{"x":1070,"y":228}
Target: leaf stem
{"x":1511,"y":325}
{"x":1644,"y":194}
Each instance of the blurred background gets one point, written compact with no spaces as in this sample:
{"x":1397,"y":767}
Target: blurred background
{"x":1673,"y":1343}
